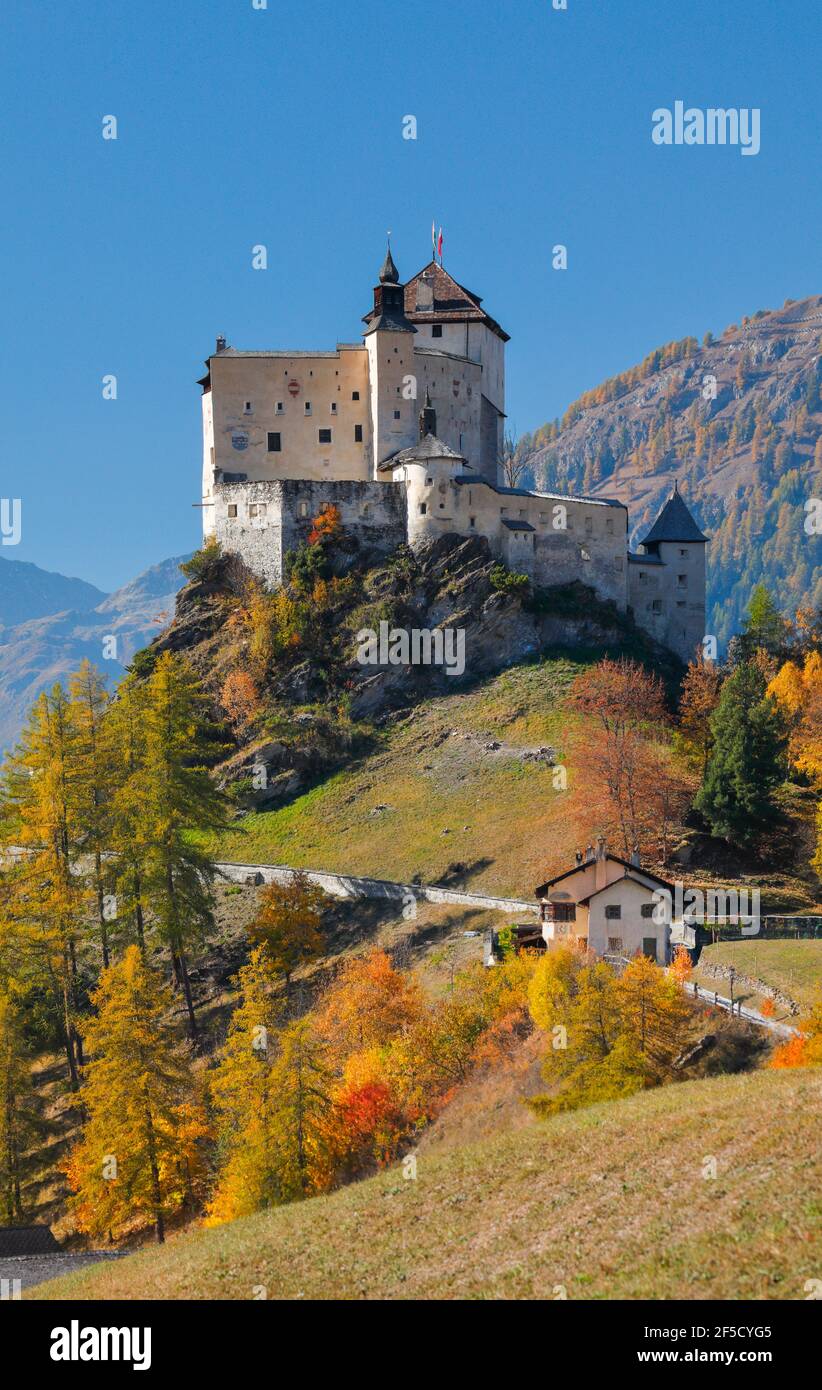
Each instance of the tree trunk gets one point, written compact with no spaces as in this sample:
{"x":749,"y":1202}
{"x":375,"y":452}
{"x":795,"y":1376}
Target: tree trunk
{"x":192,"y":1022}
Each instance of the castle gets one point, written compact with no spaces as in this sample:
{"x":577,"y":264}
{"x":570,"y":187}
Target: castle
{"x":286,"y":432}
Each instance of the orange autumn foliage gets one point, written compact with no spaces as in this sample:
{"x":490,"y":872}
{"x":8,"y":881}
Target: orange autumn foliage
{"x":326,"y":526}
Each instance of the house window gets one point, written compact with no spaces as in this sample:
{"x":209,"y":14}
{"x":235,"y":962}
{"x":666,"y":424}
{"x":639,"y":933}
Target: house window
{"x":355,"y":395}
{"x":275,"y":443}
{"x":565,"y":912}
{"x":436,"y":330}
{"x":232,"y":509}
{"x":307,"y":408}
{"x":325,"y":436}
{"x":358,"y":434}
{"x":613,"y":912}
{"x":423,"y":508}
{"x":614,"y":944}
{"x":647,"y":910}
{"x":649,"y":947}
{"x":279,"y":409}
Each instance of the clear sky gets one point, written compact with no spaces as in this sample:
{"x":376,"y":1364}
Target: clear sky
{"x":283,"y":127}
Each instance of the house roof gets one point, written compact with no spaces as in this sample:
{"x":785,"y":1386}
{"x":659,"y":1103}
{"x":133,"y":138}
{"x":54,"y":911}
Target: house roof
{"x":578,"y":868}
{"x":452,"y":301}
{"x":631,"y":873}
{"x":517,"y":525}
{"x":674,"y":523}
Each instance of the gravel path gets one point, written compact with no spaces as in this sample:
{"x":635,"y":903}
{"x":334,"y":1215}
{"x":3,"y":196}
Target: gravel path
{"x":36,"y":1269}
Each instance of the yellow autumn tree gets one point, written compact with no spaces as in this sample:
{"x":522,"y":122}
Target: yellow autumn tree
{"x":16,"y":1115}
{"x":140,"y":1159}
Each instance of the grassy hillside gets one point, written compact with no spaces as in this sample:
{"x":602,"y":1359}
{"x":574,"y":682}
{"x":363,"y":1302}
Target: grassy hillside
{"x":794,"y":967}
{"x":435,"y":794}
{"x":609,"y":1202}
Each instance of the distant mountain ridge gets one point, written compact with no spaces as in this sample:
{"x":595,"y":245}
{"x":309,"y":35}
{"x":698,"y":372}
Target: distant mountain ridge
{"x":737,"y":420}
{"x":47,"y":646}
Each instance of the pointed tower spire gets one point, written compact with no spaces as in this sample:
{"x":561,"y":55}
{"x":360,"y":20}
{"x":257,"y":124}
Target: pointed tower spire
{"x":428,"y":417}
{"x":389,"y":275}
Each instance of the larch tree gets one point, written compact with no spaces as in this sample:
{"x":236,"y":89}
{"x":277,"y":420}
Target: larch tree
{"x":128,"y":845}
{"x":288,"y":923}
{"x":16,"y":1115}
{"x":301,"y":1114}
{"x":698,"y":700}
{"x":92,"y":785}
{"x":140,"y":1156}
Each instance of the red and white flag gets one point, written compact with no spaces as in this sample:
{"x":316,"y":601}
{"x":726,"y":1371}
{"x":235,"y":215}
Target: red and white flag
{"x":439,"y":245}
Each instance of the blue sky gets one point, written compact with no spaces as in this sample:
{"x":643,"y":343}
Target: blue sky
{"x":283,"y":126}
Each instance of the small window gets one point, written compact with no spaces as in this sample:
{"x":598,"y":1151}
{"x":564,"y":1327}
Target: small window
{"x":683,"y":554}
{"x":656,"y":605}
{"x":682,"y":581}
{"x":472,"y":521}
{"x":614,"y":944}
{"x":609,"y":525}
{"x":279,"y":409}
{"x":589,"y":525}
{"x":397,"y":415}
{"x":355,"y":395}
{"x":303,"y":509}
{"x":649,"y":947}
{"x":583,"y":553}
{"x":423,"y":508}
{"x":647,"y":909}
{"x":642,"y":576}
{"x":358,"y":434}
{"x":257,"y":509}
{"x":307,"y":408}
{"x":680,"y":603}
{"x":248,"y":408}
{"x":325,"y":436}
{"x":333,"y":407}
{"x":436,"y":330}
{"x":613,"y":912}
{"x":232,"y":509}
{"x":275,"y":442}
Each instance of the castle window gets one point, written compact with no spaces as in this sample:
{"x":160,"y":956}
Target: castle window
{"x":307,"y":408}
{"x":472,"y":521}
{"x":325,"y":436}
{"x":680,"y":603}
{"x":613,"y":912}
{"x":303,"y":509}
{"x":257,"y":508}
{"x":358,"y":434}
{"x":248,"y":408}
{"x":642,"y":576}
{"x":522,"y":511}
{"x":355,"y":395}
{"x":396,"y":415}
{"x":279,"y":409}
{"x":656,"y":605}
{"x":583,"y":553}
{"x":503,"y":511}
{"x":429,"y":482}
{"x":460,"y":441}
{"x":683,"y":554}
{"x":232,"y":509}
{"x":682,"y":581}
{"x":274,"y":442}
{"x":436,"y":330}
{"x":333,"y":407}
{"x":614,"y":944}
{"x":589,"y":525}
{"x":423,"y":508}
{"x":609,"y":525}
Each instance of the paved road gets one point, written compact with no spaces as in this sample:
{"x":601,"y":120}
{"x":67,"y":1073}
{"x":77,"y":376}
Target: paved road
{"x":36,"y":1269}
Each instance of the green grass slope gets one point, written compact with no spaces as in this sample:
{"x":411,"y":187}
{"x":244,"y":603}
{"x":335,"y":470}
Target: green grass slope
{"x":433,"y":794}
{"x":794,"y":967}
{"x":610,"y":1202}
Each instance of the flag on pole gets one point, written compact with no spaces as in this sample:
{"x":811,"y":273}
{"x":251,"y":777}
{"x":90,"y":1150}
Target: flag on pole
{"x":433,"y":239}
{"x":439,"y":245}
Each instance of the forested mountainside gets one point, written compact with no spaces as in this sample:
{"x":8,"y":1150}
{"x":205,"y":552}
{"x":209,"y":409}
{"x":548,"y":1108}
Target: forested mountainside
{"x":738,"y":421}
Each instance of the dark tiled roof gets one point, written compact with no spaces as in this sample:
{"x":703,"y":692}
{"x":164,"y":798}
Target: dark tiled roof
{"x":451,"y":301}
{"x":517,"y":525}
{"x":615,"y":859}
{"x":674,"y":523}
{"x":423,"y":452}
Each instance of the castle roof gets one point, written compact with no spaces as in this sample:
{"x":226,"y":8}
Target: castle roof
{"x":674,"y":523}
{"x":424,"y":451}
{"x":452,"y":302}
{"x":389,"y":275}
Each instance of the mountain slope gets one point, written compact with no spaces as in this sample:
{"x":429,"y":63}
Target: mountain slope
{"x":27,"y":592}
{"x":36,"y":653}
{"x":747,"y":459}
{"x":609,"y":1202}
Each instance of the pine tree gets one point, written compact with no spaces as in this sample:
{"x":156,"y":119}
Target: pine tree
{"x":174,"y":795}
{"x":16,"y":1116}
{"x":139,"y":1158}
{"x":747,"y":762}
{"x":242,"y":1093}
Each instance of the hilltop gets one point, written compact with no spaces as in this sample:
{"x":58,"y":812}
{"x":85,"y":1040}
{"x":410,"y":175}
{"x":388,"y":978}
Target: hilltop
{"x":747,"y":459}
{"x":609,"y":1202}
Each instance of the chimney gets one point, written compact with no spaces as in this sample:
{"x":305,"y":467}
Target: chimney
{"x":221,"y":344}
{"x":601,"y":862}
{"x":425,"y":293}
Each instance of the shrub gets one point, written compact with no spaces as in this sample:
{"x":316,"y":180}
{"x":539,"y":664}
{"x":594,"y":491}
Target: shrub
{"x":505,"y":581}
{"x":203,"y":563}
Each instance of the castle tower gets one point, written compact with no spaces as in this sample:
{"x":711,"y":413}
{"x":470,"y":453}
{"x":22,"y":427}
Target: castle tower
{"x":389,"y":340}
{"x":666,"y":582}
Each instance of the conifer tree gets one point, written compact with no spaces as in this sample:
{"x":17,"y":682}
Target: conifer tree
{"x":747,"y":762}
{"x":174,"y":796}
{"x":288,"y":923}
{"x":92,"y":785}
{"x":16,"y":1117}
{"x":139,"y":1158}
{"x":125,"y":721}
{"x":301,"y":1114}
